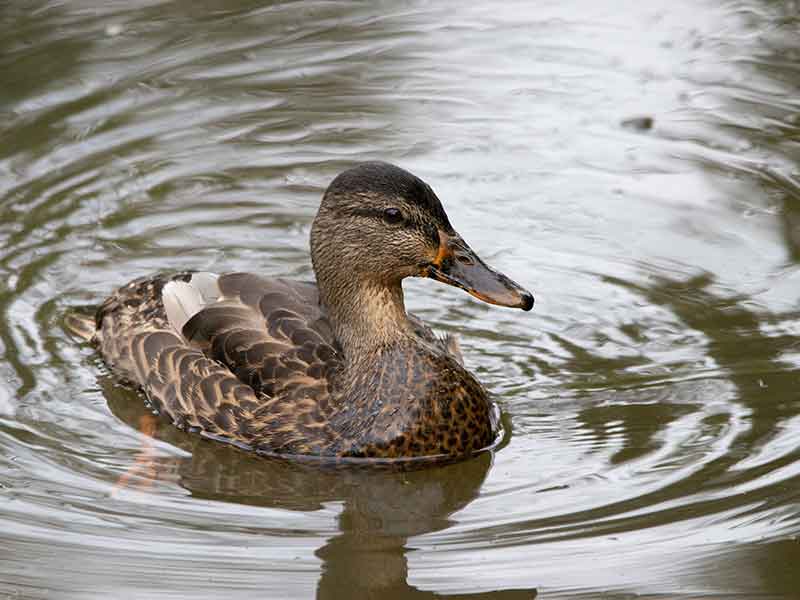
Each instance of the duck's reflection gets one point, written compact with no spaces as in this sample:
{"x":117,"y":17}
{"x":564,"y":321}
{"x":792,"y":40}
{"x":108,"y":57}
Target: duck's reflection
{"x":381,"y":508}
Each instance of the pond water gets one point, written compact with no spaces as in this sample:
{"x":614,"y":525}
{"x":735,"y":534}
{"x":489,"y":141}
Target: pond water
{"x":633,"y":163}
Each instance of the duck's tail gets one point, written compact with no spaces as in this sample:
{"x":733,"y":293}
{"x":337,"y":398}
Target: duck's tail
{"x":80,"y":325}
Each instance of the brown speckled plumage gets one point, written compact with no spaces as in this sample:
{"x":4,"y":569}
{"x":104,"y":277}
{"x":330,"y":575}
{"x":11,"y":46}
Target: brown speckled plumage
{"x":283,"y":367}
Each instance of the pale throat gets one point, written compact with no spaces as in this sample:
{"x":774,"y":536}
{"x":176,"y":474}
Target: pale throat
{"x":367,"y":314}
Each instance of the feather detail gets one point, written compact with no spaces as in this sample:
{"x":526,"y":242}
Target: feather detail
{"x":79,"y":325}
{"x":184,"y":299}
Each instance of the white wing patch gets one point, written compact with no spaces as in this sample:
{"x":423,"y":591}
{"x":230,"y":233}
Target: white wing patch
{"x":184,"y":299}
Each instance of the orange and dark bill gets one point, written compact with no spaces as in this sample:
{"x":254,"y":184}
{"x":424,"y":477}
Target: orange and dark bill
{"x":457,"y":264}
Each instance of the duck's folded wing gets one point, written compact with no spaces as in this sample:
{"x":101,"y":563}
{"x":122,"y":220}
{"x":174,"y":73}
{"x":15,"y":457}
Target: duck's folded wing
{"x":216,"y":355}
{"x":270,"y":333}
{"x":196,"y":392}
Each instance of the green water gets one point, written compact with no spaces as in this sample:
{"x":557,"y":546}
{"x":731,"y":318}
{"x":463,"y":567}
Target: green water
{"x":653,"y":394}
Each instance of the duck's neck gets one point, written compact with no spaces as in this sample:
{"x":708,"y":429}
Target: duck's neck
{"x":366,"y":315}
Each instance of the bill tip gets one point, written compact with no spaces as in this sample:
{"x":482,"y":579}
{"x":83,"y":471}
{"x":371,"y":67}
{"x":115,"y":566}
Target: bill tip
{"x":527,"y":301}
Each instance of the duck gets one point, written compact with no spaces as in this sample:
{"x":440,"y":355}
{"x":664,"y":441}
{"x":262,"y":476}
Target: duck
{"x":334,"y":368}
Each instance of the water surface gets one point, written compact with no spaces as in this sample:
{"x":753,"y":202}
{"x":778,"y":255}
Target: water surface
{"x":633,"y":163}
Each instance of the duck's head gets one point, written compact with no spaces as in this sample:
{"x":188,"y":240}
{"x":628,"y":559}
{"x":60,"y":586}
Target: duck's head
{"x":378,"y":223}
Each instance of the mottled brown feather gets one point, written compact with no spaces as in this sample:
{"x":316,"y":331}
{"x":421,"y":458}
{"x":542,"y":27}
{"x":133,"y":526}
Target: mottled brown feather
{"x":260,"y":368}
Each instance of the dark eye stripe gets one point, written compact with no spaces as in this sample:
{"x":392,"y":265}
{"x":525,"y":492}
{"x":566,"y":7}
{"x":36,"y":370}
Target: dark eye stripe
{"x":365,"y":212}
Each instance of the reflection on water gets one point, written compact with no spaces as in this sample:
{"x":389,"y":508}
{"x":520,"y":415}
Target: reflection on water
{"x":652,"y":393}
{"x":381,"y":509}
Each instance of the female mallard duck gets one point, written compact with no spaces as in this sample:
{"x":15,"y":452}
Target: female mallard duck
{"x":332,"y":369}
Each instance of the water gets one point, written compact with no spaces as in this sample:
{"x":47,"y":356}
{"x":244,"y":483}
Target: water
{"x":633,"y":163}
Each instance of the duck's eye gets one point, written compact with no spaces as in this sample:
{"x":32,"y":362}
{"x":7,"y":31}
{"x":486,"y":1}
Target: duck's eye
{"x":393,"y":216}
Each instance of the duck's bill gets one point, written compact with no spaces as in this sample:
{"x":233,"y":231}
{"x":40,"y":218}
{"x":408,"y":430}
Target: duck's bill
{"x":457,"y":264}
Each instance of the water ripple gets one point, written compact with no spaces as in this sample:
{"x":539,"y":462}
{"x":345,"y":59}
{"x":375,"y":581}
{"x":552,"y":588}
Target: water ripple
{"x":635,"y":164}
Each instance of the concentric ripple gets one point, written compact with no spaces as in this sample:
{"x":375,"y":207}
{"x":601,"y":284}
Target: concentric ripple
{"x":633,"y":163}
